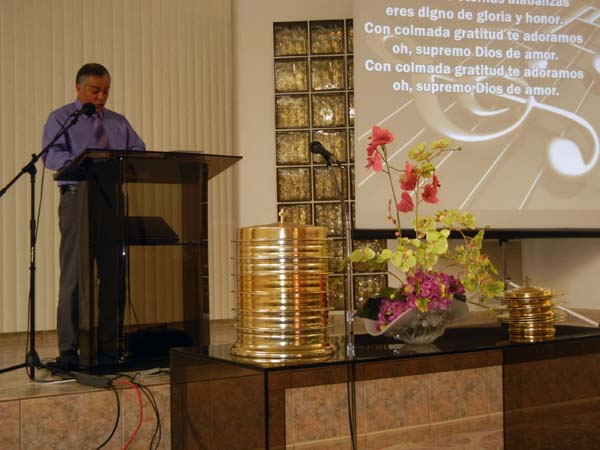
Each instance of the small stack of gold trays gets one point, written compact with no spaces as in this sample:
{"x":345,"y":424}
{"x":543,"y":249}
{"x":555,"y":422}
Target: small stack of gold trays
{"x":530,"y":313}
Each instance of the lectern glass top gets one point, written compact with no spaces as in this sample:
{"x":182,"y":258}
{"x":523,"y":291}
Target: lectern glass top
{"x":147,"y":166}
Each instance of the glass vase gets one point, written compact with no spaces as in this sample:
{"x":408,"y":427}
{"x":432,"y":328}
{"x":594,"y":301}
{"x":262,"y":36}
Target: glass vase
{"x":414,"y":327}
{"x":425,"y":328}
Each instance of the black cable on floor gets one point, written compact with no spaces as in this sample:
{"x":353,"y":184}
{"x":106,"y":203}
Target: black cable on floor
{"x":112,"y":433}
{"x":158,"y":430}
{"x":150,"y":396}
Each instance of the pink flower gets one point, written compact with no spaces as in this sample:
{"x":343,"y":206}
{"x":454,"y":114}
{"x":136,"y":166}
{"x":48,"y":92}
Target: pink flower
{"x":430,"y":191}
{"x":406,"y":204}
{"x":408,"y":179}
{"x":374,"y":161}
{"x":380,"y":136}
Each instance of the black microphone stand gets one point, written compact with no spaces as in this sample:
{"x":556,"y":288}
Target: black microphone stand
{"x":32,"y":359}
{"x":348,"y":300}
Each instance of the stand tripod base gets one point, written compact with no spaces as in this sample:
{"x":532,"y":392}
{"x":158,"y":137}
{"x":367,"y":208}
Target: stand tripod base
{"x":32,"y":361}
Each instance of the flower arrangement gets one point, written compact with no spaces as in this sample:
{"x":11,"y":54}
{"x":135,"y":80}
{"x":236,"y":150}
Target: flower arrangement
{"x":426,"y":259}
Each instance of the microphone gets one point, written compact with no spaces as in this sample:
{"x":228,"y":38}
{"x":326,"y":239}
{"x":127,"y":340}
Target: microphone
{"x":87,"y":109}
{"x":317,"y":148}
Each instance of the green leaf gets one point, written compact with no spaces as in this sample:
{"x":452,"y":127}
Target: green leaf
{"x":470,"y":283}
{"x":370,"y":308}
{"x":496,"y":288}
{"x":356,"y":256}
{"x":461,"y":297}
{"x":442,"y":144}
{"x":416,"y":243}
{"x":422,"y":304}
{"x":389,"y":292}
{"x":368,"y":253}
{"x":424,"y":224}
{"x":409,"y":262}
{"x":440,"y":247}
{"x":427,"y":169}
{"x":420,"y":255}
{"x":397,"y":258}
{"x":416,"y":153}
{"x":438,"y":242}
{"x":469,"y":220}
{"x":430,"y":261}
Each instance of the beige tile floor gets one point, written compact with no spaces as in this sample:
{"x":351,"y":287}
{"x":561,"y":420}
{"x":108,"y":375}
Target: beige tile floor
{"x":13,"y":349}
{"x":17,"y":384}
{"x":473,"y":440}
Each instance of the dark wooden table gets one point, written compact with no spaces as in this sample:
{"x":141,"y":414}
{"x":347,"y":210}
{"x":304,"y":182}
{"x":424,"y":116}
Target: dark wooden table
{"x":551,"y":390}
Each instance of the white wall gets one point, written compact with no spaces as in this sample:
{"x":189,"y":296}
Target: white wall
{"x":568,"y":265}
{"x":254,"y":103}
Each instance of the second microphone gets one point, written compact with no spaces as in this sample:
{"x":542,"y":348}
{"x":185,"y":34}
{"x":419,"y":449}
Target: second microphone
{"x":317,"y":148}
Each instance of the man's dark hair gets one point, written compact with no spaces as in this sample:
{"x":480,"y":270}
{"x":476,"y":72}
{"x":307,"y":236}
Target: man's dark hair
{"x":94,"y":69}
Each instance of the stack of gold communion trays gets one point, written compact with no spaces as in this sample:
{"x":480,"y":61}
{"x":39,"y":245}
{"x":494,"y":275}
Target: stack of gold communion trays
{"x":282,"y":312}
{"x":530,"y":313}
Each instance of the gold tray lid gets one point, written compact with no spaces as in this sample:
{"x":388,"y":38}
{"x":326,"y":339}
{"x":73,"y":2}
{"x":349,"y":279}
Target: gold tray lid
{"x":282,"y":231}
{"x":527,"y":291}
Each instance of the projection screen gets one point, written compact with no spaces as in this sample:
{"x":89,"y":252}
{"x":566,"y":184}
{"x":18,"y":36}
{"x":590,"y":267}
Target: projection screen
{"x":515,"y":83}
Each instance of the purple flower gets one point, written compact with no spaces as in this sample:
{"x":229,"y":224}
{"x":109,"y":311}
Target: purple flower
{"x":389,"y":310}
{"x":435,"y":289}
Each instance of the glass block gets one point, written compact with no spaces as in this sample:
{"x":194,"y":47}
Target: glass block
{"x":334,"y":141}
{"x":336,"y":250}
{"x":351,"y":145}
{"x":349,"y":36}
{"x":376,"y":245}
{"x":290,"y":39}
{"x":336,"y":292}
{"x":350,"y":72}
{"x":327,"y":74}
{"x":327,"y":37}
{"x":330,"y":215}
{"x":367,"y":286}
{"x":291,"y":75}
{"x":292,"y":147}
{"x":298,"y":214}
{"x":293,"y":184}
{"x":291,"y":111}
{"x":351,"y":109}
{"x":329,"y":110}
{"x":325,"y":185}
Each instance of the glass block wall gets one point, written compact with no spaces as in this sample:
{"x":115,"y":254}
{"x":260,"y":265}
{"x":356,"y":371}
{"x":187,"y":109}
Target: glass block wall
{"x":314,"y":100}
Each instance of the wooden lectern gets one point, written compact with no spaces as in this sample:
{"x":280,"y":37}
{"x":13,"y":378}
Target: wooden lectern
{"x":143,"y":246}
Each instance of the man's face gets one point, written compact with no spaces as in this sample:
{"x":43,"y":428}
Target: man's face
{"x":95,"y":90}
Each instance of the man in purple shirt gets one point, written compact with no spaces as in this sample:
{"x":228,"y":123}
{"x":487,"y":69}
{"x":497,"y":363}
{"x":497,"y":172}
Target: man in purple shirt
{"x":104,"y":129}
